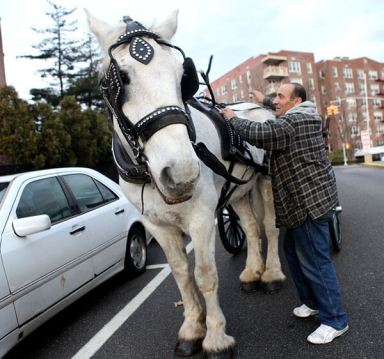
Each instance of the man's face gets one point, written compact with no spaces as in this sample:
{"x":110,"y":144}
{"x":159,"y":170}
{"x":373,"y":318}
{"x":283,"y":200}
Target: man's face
{"x":283,"y":101}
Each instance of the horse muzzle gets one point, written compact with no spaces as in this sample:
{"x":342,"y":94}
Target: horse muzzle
{"x":174,"y":190}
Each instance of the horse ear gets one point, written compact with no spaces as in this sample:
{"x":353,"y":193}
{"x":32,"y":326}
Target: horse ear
{"x":100,"y":29}
{"x":168,"y":27}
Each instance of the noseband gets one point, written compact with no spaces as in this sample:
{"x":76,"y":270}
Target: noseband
{"x":112,"y":87}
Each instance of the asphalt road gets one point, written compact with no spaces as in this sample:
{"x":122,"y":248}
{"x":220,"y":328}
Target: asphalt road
{"x":262,"y":324}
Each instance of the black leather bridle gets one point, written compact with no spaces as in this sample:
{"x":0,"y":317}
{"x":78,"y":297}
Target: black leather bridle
{"x":112,"y":87}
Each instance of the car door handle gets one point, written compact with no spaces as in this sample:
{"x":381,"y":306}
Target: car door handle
{"x":119,"y":212}
{"x":77,"y":230}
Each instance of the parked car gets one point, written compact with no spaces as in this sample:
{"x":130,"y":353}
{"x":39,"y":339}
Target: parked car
{"x":62,"y":232}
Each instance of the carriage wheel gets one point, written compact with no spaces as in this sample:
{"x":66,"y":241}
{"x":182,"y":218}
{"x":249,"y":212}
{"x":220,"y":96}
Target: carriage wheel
{"x":231,"y":234}
{"x":334,"y":230}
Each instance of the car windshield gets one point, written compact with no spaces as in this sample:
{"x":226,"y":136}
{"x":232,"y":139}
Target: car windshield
{"x":3,"y":188}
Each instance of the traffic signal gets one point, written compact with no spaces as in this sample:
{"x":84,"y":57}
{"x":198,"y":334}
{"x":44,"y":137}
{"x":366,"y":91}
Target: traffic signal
{"x":332,"y":110}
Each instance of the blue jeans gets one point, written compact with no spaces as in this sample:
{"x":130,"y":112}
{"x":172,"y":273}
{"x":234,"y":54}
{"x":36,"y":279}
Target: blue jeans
{"x":307,"y":250}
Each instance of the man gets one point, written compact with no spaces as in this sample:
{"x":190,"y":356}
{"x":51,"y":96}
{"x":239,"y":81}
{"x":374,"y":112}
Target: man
{"x":304,"y":189}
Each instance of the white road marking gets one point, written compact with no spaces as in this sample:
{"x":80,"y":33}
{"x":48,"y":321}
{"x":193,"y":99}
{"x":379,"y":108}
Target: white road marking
{"x":157,"y":266}
{"x":95,"y":343}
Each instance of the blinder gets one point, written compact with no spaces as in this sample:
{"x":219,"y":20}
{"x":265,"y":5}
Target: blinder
{"x":189,"y":80}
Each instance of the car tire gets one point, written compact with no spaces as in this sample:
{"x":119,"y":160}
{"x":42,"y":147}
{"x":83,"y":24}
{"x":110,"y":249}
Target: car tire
{"x":136,"y":253}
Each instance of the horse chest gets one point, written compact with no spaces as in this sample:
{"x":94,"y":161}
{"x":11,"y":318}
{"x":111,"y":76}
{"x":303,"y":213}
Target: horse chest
{"x":166,"y":217}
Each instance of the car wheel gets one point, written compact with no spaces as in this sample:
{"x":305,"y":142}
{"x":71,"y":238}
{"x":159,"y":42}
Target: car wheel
{"x":136,"y":253}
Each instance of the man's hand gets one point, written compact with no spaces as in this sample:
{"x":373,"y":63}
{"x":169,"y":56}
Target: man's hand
{"x":227,"y":113}
{"x":256,"y":96}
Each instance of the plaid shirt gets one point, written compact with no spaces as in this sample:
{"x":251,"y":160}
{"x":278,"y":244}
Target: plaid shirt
{"x":303,"y":180}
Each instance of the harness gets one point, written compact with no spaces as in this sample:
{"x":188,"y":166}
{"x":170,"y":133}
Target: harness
{"x":132,"y":165}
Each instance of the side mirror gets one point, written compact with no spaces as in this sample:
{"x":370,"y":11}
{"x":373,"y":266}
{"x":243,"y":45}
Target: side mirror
{"x":30,"y":225}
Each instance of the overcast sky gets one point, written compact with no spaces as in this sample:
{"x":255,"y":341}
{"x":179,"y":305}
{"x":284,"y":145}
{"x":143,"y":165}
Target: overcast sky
{"x":232,"y":31}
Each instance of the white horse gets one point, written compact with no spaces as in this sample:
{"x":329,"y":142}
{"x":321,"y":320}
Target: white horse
{"x":184,"y":192}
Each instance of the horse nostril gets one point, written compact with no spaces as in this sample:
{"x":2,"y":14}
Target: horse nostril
{"x":166,"y":178}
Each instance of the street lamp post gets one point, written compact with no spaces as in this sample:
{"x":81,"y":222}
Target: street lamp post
{"x":344,"y":155}
{"x":366,"y":104}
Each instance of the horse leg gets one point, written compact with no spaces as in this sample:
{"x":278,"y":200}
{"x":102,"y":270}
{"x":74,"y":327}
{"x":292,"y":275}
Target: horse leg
{"x":217,"y":344}
{"x":273,"y":276}
{"x":254,"y":267}
{"x":193,"y":330}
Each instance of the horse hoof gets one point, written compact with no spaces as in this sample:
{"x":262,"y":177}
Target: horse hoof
{"x":226,"y":354}
{"x":187,"y":348}
{"x":272,"y":287}
{"x":250,"y":287}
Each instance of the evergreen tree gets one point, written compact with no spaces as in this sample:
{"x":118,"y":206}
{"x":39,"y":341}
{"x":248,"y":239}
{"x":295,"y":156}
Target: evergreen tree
{"x":90,"y":135}
{"x":54,"y":142}
{"x":101,"y":137}
{"x":18,"y":141}
{"x":61,"y":50}
{"x":85,"y":87}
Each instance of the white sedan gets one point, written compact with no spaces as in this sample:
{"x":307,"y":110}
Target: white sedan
{"x":62,"y":232}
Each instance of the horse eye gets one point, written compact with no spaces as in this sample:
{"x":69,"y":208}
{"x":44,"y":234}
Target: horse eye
{"x":124,"y":78}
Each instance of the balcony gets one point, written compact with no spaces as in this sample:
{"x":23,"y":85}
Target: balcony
{"x":271,"y":89}
{"x":273,"y":59}
{"x":275,"y":72}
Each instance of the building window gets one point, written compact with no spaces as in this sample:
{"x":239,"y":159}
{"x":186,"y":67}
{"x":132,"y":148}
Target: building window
{"x":352,"y":117}
{"x":235,"y":97}
{"x":242,"y":94}
{"x":334,"y":71}
{"x":223,"y":90}
{"x":233,"y":84}
{"x":337,"y":86}
{"x":349,"y":87}
{"x":309,"y":68}
{"x":351,"y":101}
{"x":321,"y":74}
{"x":311,"y":84}
{"x":373,"y":75}
{"x":378,"y":116}
{"x":348,"y":73}
{"x":294,"y":66}
{"x":240,"y":79}
{"x":323,"y":90}
{"x":362,"y":89}
{"x":297,"y":80}
{"x":376,"y":102}
{"x":360,"y":74}
{"x":375,"y":89}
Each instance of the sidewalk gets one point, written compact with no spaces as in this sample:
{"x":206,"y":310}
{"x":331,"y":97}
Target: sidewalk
{"x":376,"y":164}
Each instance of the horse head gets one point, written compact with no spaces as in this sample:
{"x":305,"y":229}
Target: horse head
{"x":142,"y":85}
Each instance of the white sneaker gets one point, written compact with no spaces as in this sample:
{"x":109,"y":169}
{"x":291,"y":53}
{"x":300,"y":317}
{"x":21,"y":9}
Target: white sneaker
{"x":304,"y":312}
{"x":325,"y":334}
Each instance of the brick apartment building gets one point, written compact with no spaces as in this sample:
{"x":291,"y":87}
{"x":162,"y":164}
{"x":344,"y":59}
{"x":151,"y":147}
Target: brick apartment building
{"x":349,"y":84}
{"x":328,"y":82}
